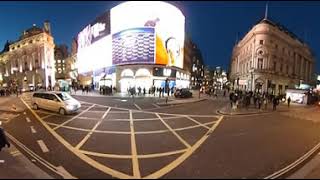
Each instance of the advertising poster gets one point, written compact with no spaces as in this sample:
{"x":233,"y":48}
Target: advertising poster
{"x":167,"y":20}
{"x":135,"y":45}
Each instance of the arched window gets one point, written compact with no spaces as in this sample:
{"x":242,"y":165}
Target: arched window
{"x":127,"y":73}
{"x":143,"y":73}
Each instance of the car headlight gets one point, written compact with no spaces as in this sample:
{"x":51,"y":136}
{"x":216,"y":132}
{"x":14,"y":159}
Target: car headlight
{"x":69,"y":106}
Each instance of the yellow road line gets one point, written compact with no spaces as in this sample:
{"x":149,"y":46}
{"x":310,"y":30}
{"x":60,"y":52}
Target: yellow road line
{"x":47,"y":116}
{"x":84,"y":140}
{"x":140,"y":156}
{"x":156,"y":155}
{"x":76,"y":152}
{"x":124,"y":132}
{"x":183,"y":157}
{"x":193,"y":120}
{"x":177,"y":135}
{"x":115,"y":156}
{"x":135,"y":162}
{"x":73,"y":117}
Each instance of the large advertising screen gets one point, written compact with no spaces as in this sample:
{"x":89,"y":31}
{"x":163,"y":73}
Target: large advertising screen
{"x":166,"y":19}
{"x":94,"y":31}
{"x":135,"y":45}
{"x":95,"y":56}
{"x":133,"y":33}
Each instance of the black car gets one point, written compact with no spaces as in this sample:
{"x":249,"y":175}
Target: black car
{"x":183,"y":93}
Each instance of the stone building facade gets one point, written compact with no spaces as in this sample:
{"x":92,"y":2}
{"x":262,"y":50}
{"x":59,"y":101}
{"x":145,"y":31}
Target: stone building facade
{"x":29,"y":61}
{"x":270,"y":59}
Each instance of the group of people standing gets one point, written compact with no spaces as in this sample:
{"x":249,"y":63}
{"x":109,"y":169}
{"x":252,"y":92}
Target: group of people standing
{"x":260,"y":101}
{"x":161,"y":91}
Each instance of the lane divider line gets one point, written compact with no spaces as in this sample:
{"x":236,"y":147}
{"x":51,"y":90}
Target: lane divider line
{"x":33,"y":130}
{"x":85,"y":139}
{"x":40,"y":159}
{"x":76,"y":152}
{"x":174,"y":133}
{"x":158,"y":174}
{"x":66,"y":122}
{"x":138,"y":107}
{"x":135,"y":162}
{"x":43,"y":146}
{"x":197,"y":122}
{"x":28,"y":120}
{"x":157,"y":106}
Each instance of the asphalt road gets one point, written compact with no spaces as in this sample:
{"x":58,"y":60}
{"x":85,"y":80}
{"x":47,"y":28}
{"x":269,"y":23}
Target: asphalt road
{"x":114,"y":138}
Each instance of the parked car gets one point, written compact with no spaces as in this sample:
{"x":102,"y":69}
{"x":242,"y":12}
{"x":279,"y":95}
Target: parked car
{"x":183,"y":93}
{"x":60,"y":102}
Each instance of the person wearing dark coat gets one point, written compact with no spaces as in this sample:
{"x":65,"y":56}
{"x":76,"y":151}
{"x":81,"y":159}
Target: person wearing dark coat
{"x":3,"y":139}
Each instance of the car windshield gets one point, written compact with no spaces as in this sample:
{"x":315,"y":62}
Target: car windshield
{"x":64,"y":96}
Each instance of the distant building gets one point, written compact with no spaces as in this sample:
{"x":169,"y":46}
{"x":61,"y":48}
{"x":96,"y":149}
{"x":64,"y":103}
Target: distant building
{"x":270,"y":59}
{"x":29,"y":61}
{"x":60,"y":55}
{"x":194,"y":61}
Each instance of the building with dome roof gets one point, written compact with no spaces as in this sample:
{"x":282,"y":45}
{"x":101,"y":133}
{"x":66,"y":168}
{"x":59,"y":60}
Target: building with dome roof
{"x":29,"y":61}
{"x":271,"y":59}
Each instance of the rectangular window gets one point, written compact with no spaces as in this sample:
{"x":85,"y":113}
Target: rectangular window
{"x":260,"y":63}
{"x":287,"y":68}
{"x":261,"y":42}
{"x":281,"y":67}
{"x":275,"y":66}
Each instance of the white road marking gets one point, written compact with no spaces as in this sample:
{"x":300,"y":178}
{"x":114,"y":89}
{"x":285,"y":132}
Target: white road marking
{"x":28,"y":120}
{"x":33,"y":130}
{"x":2,"y":161}
{"x":182,"y":158}
{"x":138,"y":107}
{"x":193,"y":120}
{"x":177,"y":135}
{"x":43,"y":146}
{"x":105,"y":114}
{"x":47,"y":116}
{"x":37,"y":158}
{"x":157,"y":106}
{"x":84,"y":140}
{"x":135,"y":162}
{"x":66,"y":122}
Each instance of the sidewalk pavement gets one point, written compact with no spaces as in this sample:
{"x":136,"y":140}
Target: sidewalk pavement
{"x":311,"y":113}
{"x":9,"y":104}
{"x":14,"y":165}
{"x":227,"y":110}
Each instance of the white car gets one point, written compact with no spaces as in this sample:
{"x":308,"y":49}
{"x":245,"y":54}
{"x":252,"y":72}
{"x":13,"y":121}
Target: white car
{"x":60,"y":102}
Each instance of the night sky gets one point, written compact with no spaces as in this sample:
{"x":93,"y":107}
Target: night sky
{"x":213,"y":26}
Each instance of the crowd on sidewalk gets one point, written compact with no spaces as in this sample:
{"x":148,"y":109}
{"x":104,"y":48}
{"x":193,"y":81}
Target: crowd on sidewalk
{"x":243,"y":99}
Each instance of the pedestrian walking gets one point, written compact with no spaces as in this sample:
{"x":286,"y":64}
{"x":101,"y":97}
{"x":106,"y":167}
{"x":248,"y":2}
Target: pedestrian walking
{"x":231,"y":99}
{"x":265,"y":102}
{"x":3,"y":140}
{"x":275,"y":103}
{"x":289,"y":100}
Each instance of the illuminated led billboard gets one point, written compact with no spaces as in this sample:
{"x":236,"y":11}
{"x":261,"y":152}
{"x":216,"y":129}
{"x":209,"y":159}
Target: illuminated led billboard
{"x":133,"y":33}
{"x":133,"y":46}
{"x":95,"y":56}
{"x":166,"y":19}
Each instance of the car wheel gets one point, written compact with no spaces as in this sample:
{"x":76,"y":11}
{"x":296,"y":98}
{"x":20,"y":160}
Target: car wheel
{"x":35,"y":106}
{"x":62,"y":111}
